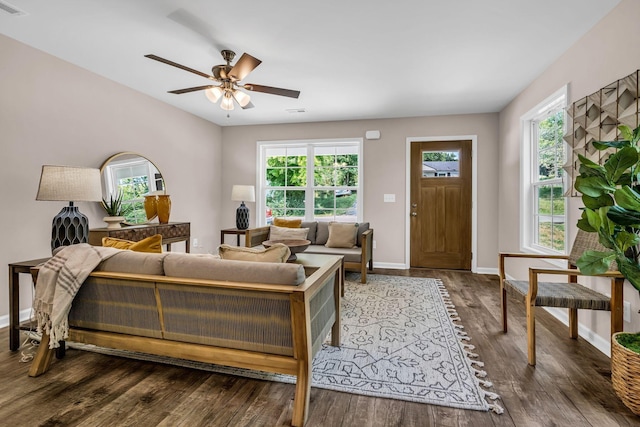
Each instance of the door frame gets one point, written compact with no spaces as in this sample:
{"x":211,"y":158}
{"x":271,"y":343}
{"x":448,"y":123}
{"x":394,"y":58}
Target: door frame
{"x":474,"y":194}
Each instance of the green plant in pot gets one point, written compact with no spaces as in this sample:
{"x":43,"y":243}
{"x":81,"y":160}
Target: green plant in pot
{"x":611,"y":197}
{"x":115,"y":210}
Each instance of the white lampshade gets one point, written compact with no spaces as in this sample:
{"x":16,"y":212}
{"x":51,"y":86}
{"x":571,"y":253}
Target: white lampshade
{"x":243,"y":193}
{"x":70,"y":184}
{"x":227,"y":102}
{"x":213,"y":94}
{"x":242,"y":98}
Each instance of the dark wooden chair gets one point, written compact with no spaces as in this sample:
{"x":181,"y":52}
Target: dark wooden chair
{"x":569,"y":294}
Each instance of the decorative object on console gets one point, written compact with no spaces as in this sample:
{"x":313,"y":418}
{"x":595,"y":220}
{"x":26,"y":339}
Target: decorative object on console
{"x":243,"y":193}
{"x":151,"y":206}
{"x":164,"y":208}
{"x":69,"y":184}
{"x":114,"y":210}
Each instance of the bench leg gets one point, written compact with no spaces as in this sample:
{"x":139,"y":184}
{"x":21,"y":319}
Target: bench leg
{"x":503,"y":306}
{"x":42,"y":359}
{"x":531,"y":333}
{"x":573,"y":323}
{"x":303,"y":392}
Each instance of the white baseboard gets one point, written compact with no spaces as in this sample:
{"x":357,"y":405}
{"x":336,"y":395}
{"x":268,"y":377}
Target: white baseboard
{"x":487,"y":270}
{"x":24,"y":315}
{"x":390,"y":265}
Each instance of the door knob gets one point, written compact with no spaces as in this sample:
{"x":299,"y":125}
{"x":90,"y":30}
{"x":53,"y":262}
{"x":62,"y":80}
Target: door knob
{"x":414,"y":213}
{"x":414,"y":205}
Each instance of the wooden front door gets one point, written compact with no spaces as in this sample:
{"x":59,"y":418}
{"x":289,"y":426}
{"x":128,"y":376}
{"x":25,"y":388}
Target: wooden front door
{"x":440,"y":211}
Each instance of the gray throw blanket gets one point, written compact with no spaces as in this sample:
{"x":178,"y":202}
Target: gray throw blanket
{"x":59,"y":280}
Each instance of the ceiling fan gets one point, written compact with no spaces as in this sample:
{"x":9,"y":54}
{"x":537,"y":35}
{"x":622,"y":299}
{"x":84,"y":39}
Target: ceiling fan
{"x":228,"y":78}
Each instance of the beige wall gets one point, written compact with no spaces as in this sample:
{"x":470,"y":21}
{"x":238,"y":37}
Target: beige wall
{"x":608,"y":52}
{"x":52,"y":112}
{"x":384,"y":171}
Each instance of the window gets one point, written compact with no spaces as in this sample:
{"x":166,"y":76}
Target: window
{"x":311,"y":180}
{"x":544,"y":213}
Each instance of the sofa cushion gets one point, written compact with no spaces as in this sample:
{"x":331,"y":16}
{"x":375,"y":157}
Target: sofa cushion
{"x":311,"y":234}
{"x":134,"y":262}
{"x":151,"y":244}
{"x":342,"y":235}
{"x":350,"y":254}
{"x":207,"y":267}
{"x":287,"y":222}
{"x":276,"y":253}
{"x":286,"y":233}
{"x":362,"y":227}
{"x":322,"y":233}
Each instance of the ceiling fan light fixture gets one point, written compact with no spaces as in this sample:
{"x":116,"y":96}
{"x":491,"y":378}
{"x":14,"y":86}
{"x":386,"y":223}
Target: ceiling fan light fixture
{"x":227,"y":102}
{"x":213,"y":94}
{"x":242,"y":98}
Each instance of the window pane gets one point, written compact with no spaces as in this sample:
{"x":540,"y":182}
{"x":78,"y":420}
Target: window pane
{"x":550,"y":149}
{"x":440,"y":164}
{"x":323,"y":177}
{"x":347,"y":176}
{"x":550,"y":216}
{"x":294,"y":199}
{"x":296,"y":177}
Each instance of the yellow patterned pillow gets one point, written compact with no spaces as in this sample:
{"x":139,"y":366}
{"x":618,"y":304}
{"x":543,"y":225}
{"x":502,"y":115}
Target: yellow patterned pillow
{"x":151,"y":244}
{"x":284,"y":222}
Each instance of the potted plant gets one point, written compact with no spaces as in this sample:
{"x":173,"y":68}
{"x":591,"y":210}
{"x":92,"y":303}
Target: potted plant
{"x":611,"y":197}
{"x":114,"y":209}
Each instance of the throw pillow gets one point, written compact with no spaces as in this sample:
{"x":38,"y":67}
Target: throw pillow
{"x":150,"y":244}
{"x":285,"y":222}
{"x":286,"y":233}
{"x":342,"y":235}
{"x":277,"y":253}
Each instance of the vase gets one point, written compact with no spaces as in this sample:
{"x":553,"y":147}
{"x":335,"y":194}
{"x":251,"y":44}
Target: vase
{"x":113,"y":221}
{"x":151,"y":206}
{"x":164,"y":208}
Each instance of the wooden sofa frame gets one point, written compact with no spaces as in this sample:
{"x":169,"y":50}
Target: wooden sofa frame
{"x":298,"y":364}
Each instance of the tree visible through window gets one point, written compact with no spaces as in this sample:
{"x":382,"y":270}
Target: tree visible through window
{"x":312,"y":181}
{"x":548,"y":188}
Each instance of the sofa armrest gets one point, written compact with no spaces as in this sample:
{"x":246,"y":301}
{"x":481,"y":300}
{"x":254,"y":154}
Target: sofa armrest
{"x":255,"y":236}
{"x":367,"y":248}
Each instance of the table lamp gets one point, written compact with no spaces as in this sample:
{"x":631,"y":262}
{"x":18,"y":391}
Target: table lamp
{"x":69,"y":184}
{"x":243,"y":193}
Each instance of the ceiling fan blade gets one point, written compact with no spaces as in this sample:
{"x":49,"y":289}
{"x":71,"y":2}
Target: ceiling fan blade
{"x":244,"y":66}
{"x":182,"y":67}
{"x":249,"y":105}
{"x":191,"y":89}
{"x":272,"y":90}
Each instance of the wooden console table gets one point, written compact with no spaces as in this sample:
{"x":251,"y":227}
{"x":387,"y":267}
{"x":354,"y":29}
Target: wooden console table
{"x":232,"y":231}
{"x":171,"y":232}
{"x":14,"y":298}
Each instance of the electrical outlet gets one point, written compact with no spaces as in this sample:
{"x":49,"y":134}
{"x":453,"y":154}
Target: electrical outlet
{"x":195,"y":242}
{"x":627,"y":311}
{"x":374,"y":244}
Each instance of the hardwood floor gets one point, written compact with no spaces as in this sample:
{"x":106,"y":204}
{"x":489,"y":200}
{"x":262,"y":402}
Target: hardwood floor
{"x":570,"y":386}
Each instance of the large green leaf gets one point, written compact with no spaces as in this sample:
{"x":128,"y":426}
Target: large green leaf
{"x":630,"y":270}
{"x":583,"y":223}
{"x":625,"y":179}
{"x":627,"y":198}
{"x":593,"y":186}
{"x":624,"y":217}
{"x":597,"y":202}
{"x":620,"y":162}
{"x":626,"y":239}
{"x":626,"y":132}
{"x":603,"y":145}
{"x":595,"y":262}
{"x":594,"y":218}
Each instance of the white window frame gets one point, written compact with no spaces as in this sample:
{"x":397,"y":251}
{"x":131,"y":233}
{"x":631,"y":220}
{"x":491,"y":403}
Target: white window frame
{"x":529,"y":167}
{"x":309,"y":144}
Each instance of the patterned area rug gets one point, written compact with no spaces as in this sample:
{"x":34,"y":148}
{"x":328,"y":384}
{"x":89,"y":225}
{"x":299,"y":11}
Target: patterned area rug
{"x":400,"y":340}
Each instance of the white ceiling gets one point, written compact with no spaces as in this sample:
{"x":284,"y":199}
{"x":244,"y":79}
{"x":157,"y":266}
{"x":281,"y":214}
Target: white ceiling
{"x":351,"y":59}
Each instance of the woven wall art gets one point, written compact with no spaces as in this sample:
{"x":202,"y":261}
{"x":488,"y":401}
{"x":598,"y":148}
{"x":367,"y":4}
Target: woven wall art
{"x":596,"y":117}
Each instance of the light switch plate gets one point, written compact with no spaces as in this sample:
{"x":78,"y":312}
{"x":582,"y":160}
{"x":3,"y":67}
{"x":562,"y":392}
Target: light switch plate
{"x":389,"y":198}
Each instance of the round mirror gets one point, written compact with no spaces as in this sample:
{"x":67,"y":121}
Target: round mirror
{"x":132,"y":177}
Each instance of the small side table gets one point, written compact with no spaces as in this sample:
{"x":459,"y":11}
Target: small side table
{"x":14,"y":298}
{"x":232,"y":231}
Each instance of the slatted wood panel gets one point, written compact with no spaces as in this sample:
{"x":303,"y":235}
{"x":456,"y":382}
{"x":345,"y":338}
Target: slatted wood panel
{"x":570,"y":385}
